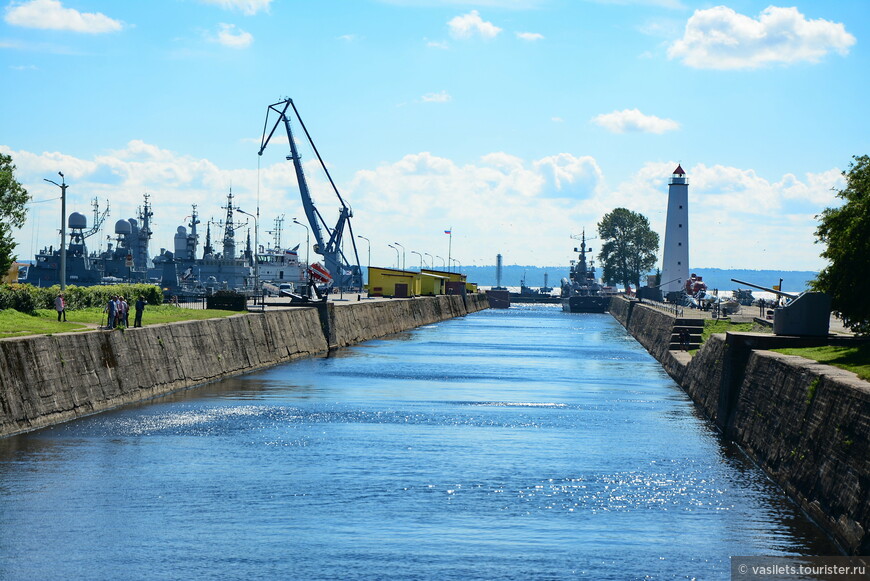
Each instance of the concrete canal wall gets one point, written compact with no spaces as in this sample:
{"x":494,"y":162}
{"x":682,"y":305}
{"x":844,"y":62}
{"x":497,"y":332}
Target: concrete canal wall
{"x":806,"y":424}
{"x":48,"y":379}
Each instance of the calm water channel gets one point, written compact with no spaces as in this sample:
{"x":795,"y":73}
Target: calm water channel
{"x":520,"y":444}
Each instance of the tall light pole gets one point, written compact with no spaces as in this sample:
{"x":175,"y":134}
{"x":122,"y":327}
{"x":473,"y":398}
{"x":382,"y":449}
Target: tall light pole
{"x":307,"y":246}
{"x":443,"y":264}
{"x":397,"y":255}
{"x":431,"y":259}
{"x":459,"y":264}
{"x":369,"y":242}
{"x":256,"y":247}
{"x":62,"y":185}
{"x":403,"y":254}
{"x":421,"y":259}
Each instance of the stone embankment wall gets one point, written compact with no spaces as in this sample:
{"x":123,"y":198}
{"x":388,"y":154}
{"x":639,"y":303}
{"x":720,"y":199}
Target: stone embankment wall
{"x":48,"y":379}
{"x":806,"y":424}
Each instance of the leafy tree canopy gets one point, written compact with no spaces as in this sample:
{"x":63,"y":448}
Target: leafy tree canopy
{"x":629,"y":246}
{"x":13,"y":198}
{"x":846,"y":233}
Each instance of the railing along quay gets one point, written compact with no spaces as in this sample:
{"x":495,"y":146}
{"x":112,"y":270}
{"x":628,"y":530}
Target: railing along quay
{"x":676,"y":310}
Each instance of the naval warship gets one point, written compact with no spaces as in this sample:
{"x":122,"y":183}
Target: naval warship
{"x":581,"y":293}
{"x":125,"y":258}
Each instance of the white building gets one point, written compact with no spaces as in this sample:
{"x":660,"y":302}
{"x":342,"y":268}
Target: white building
{"x":675,"y":263}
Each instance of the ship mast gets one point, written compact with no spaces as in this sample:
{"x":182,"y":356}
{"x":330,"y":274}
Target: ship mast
{"x":276,"y":232}
{"x":145,"y":233}
{"x":229,"y":230}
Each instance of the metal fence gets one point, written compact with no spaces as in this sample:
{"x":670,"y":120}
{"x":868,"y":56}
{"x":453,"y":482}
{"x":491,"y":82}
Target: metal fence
{"x":186,"y":302}
{"x":676,"y":310}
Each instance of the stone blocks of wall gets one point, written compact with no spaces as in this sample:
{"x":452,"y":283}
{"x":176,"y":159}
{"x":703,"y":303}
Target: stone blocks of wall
{"x":806,"y":424}
{"x":354,"y":323}
{"x":48,"y":379}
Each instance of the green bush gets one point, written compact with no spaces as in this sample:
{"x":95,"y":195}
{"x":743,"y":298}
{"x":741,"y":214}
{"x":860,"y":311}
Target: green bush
{"x":27,"y":298}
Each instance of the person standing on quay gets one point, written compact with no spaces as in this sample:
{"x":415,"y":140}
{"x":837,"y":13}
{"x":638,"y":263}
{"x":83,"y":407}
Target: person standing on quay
{"x":60,"y":307}
{"x":140,"y":306}
{"x":125,"y":312}
{"x":110,"y":313}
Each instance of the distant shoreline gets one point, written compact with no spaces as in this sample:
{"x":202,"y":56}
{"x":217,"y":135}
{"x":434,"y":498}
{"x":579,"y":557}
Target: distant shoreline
{"x":716,"y":278}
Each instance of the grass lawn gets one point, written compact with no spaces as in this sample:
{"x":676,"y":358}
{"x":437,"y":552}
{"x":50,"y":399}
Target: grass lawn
{"x":713,"y":326}
{"x":44,"y":322}
{"x":855,"y":359}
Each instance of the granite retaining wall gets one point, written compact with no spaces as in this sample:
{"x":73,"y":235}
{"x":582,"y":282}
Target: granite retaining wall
{"x":806,"y":424}
{"x":48,"y":379}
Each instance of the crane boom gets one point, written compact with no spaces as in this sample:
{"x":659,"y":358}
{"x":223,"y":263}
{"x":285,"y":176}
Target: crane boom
{"x":345,"y":274}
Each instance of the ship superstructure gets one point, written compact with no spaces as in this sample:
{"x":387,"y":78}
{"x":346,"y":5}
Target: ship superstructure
{"x":181,"y":272}
{"x":581,"y":293}
{"x":82,"y":268}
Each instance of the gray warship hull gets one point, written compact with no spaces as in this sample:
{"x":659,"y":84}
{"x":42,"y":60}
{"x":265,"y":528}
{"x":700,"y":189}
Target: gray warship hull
{"x":586,"y":304}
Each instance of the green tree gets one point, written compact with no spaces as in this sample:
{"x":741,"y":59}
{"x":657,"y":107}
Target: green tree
{"x":846,"y":233}
{"x":12,"y":211}
{"x":629,"y":246}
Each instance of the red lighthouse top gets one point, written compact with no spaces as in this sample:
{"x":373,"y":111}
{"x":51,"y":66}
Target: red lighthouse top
{"x":679,"y":171}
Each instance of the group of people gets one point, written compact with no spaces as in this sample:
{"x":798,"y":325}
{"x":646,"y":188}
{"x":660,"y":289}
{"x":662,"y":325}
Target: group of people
{"x":118,"y":312}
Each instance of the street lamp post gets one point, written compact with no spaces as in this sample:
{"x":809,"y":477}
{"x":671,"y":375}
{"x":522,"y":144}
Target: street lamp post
{"x":256,"y":247}
{"x":307,"y":246}
{"x":443,"y":264}
{"x":369,"y":242}
{"x":431,"y":259}
{"x":397,"y":255}
{"x":368,"y":273}
{"x":459,"y":264}
{"x":421,"y":259}
{"x":62,"y":185}
{"x":403,"y":254}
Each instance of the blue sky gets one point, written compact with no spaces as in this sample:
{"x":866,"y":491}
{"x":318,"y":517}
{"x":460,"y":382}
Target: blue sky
{"x":518,"y":123}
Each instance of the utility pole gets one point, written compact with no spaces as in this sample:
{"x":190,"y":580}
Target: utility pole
{"x":62,"y":185}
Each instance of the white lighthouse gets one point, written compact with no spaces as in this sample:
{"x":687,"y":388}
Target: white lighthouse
{"x":675,"y":264}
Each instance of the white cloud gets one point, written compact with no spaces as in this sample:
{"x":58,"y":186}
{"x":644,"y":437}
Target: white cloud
{"x":442,"y":97}
{"x":437,"y":44}
{"x":720,"y":38}
{"x":500,"y":203}
{"x":497,"y":204}
{"x":737,"y":218}
{"x":672,"y":4}
{"x":51,"y":15}
{"x":249,"y":7}
{"x":173,"y":181}
{"x":229,"y":36}
{"x":470,"y":25}
{"x":529,"y":36}
{"x":634,"y":120}
{"x":501,"y":4}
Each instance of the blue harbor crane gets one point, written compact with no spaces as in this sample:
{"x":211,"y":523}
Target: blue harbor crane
{"x":328,"y":241}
